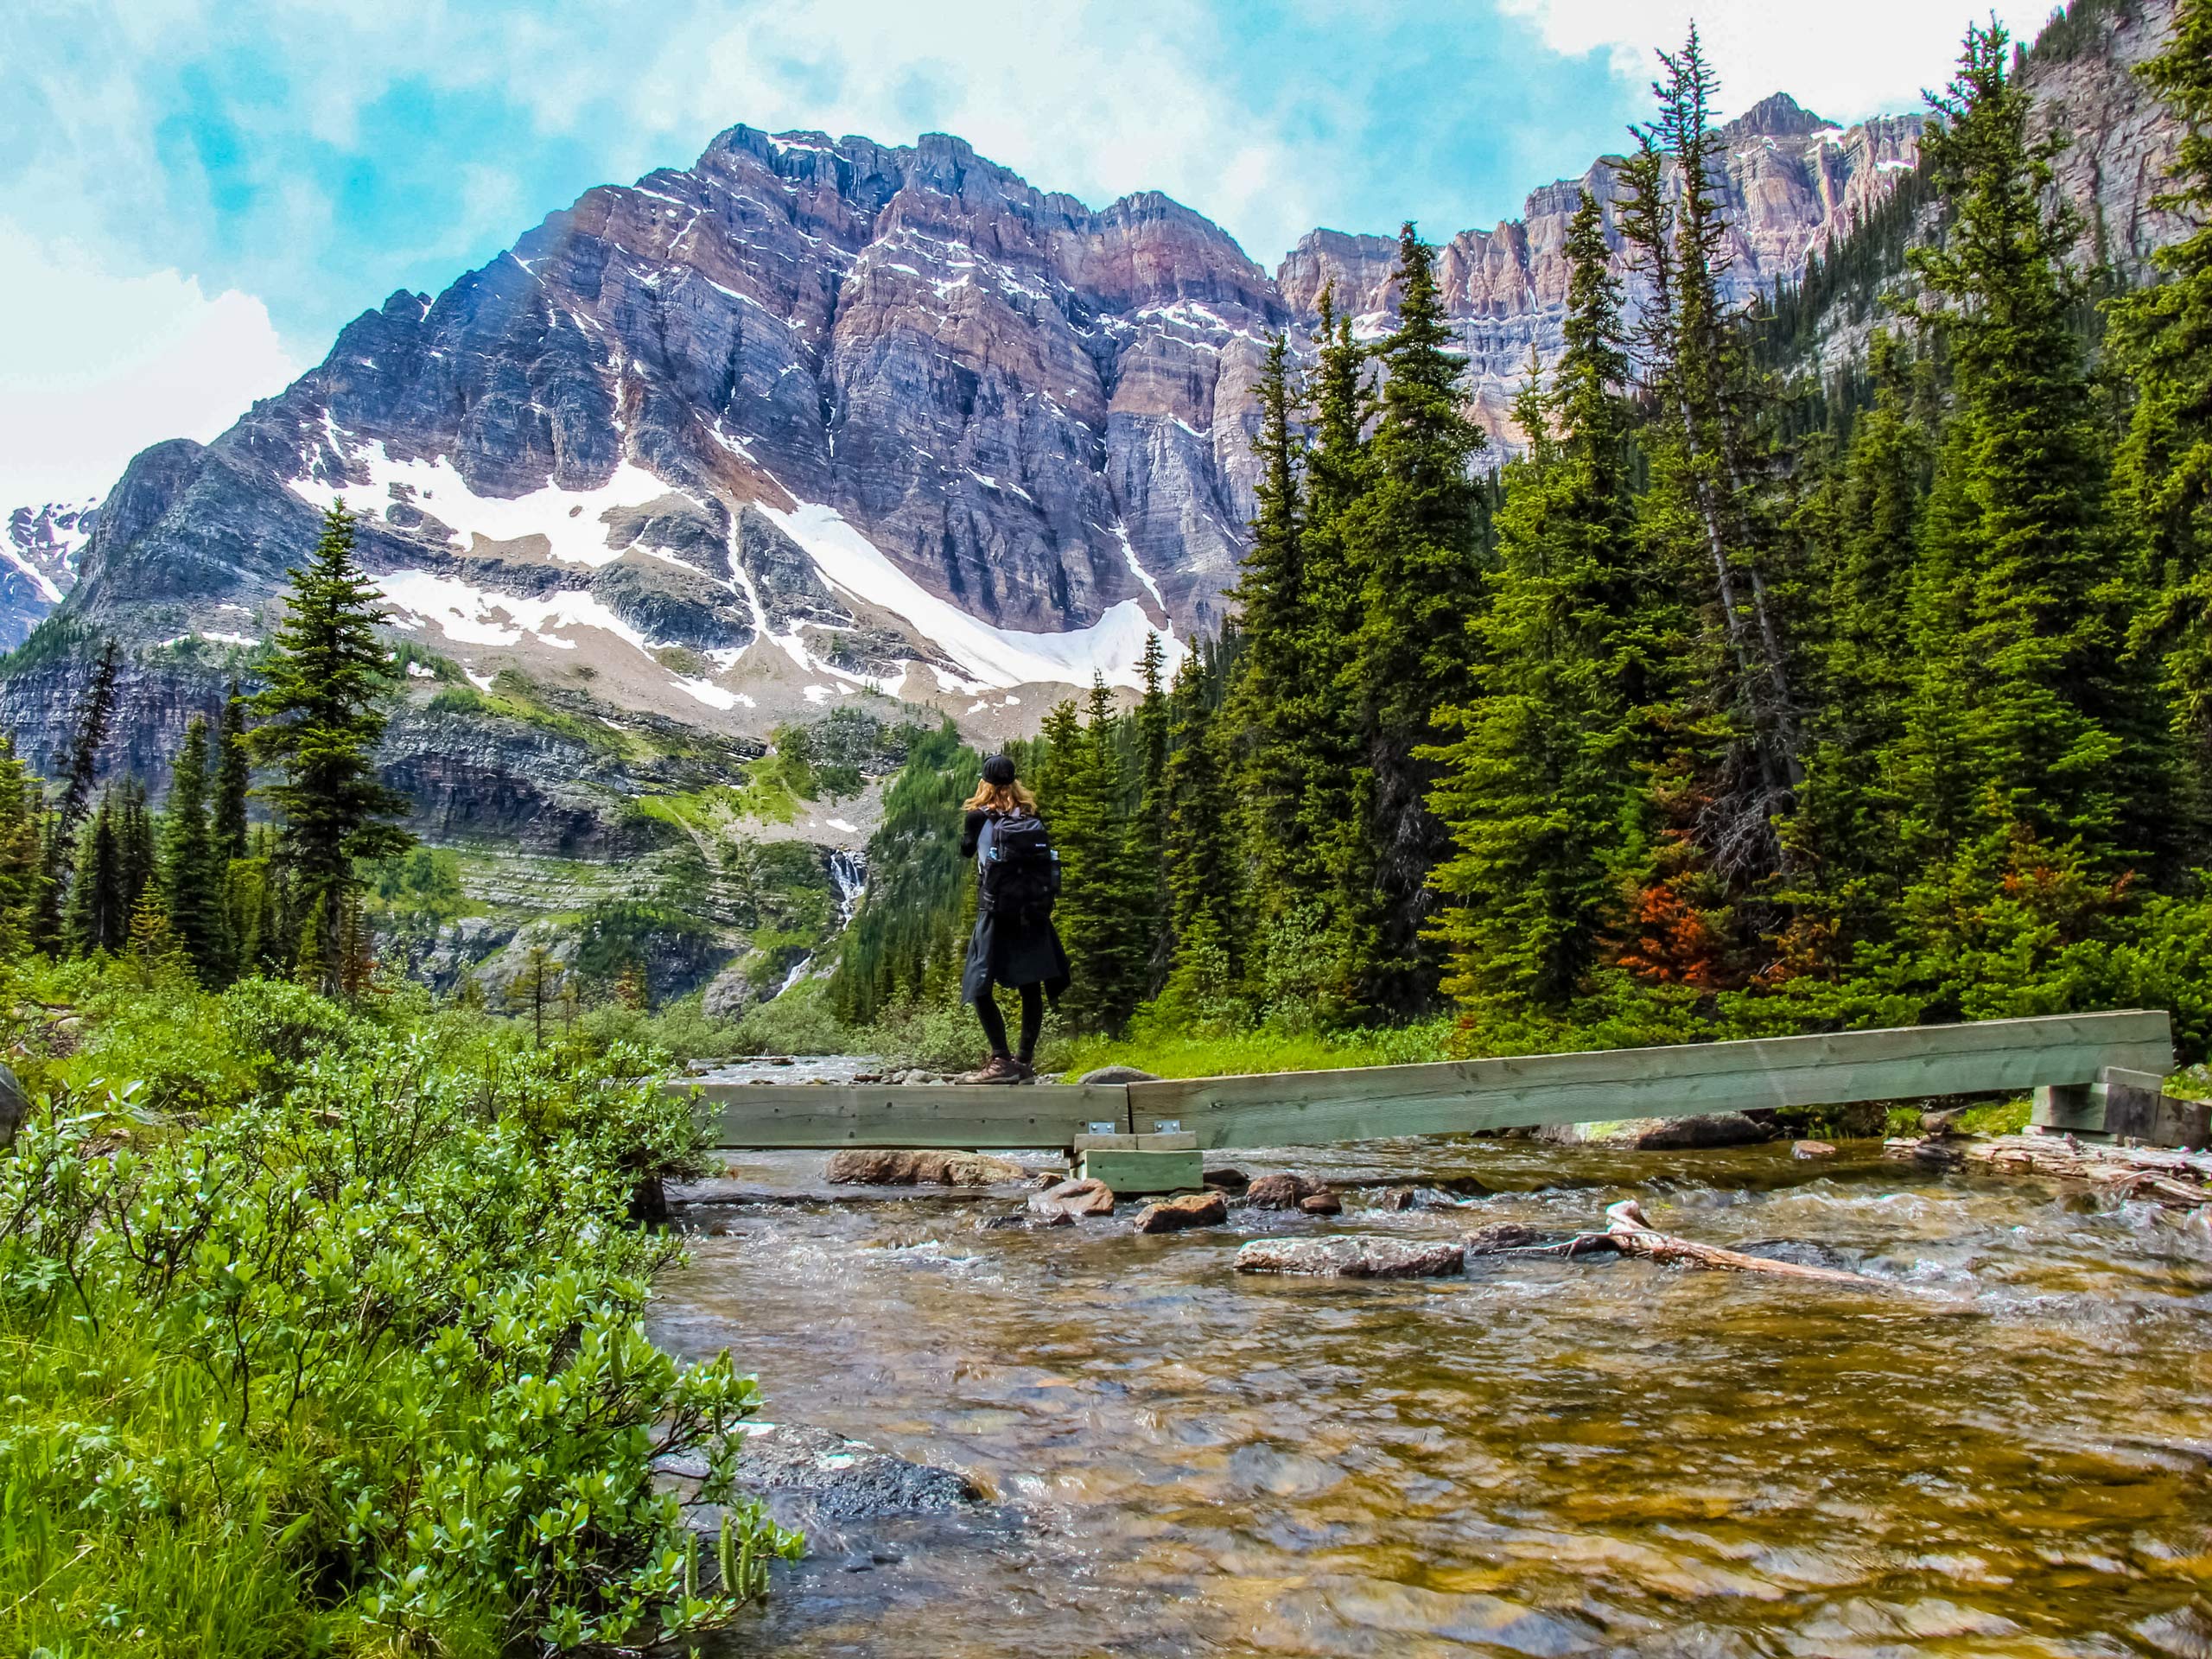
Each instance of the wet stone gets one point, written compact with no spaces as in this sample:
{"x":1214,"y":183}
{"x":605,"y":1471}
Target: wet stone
{"x":1811,"y":1149}
{"x":1192,"y":1209}
{"x":1351,"y":1257}
{"x":1324,"y":1203}
{"x":1506,"y":1235}
{"x":1229,"y":1181}
{"x":1070,"y":1200}
{"x":858,"y":1167}
{"x":836,"y":1479}
{"x":1281,"y":1192}
{"x":1397,"y":1197}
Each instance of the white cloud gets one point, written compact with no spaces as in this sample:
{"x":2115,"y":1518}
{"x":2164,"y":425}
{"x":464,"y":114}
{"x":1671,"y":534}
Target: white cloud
{"x":95,"y":366}
{"x":1873,"y":59}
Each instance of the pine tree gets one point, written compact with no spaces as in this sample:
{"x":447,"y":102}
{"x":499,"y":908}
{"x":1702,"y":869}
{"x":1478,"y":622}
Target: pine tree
{"x":1275,"y":695}
{"x":1414,"y":540}
{"x":1205,"y":875}
{"x":1863,"y":522}
{"x":321,"y":721}
{"x":150,"y":945}
{"x":233,"y":780}
{"x":536,"y":990}
{"x":192,"y":871}
{"x":1083,"y":792}
{"x":137,"y":858}
{"x":1540,"y":792}
{"x":2161,"y":334}
{"x":1149,"y":831}
{"x":2015,"y":579}
{"x":23,"y":863}
{"x":60,"y":840}
{"x":98,"y":916}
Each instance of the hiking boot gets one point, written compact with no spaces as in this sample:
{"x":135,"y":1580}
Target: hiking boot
{"x":1000,"y":1069}
{"x":1028,"y":1071}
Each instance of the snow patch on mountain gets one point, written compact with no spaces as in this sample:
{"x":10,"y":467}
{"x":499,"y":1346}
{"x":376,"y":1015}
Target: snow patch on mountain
{"x":989,"y":656}
{"x":573,"y":522}
{"x":473,"y":616}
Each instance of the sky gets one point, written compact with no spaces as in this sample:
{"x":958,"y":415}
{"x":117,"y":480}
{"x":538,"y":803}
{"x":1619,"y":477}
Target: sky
{"x":196,"y":195}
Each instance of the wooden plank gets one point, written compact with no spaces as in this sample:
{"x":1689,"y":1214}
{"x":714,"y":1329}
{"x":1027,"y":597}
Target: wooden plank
{"x":1127,"y":1170}
{"x":1184,"y":1141}
{"x":971,"y":1117}
{"x":1824,"y":1069}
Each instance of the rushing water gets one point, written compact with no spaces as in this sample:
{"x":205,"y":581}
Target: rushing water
{"x":2004,"y":1452}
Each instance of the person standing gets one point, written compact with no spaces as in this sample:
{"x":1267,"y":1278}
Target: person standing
{"x":1014,"y":943}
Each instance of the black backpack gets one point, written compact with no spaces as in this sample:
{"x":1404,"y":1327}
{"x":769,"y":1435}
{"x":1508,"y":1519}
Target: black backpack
{"x":1018,"y":873}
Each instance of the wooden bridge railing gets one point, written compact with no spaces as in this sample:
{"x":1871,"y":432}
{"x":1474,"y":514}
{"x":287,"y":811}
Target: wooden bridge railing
{"x":2059,"y":1051}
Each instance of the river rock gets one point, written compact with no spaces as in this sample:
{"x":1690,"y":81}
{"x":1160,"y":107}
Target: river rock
{"x":1324,"y":1203}
{"x":1505,"y":1235}
{"x":817,"y":1476}
{"x":1072,"y":1199}
{"x":1111,"y":1074}
{"x":1191,"y":1210}
{"x":1660,"y":1133}
{"x":14,"y":1104}
{"x":1397,"y":1197}
{"x":1281,"y":1192}
{"x":1229,"y":1181}
{"x":1811,"y":1149}
{"x":1352,"y":1258}
{"x":855,"y":1167}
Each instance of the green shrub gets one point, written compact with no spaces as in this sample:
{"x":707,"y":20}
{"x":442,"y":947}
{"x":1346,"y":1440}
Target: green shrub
{"x":356,"y":1361}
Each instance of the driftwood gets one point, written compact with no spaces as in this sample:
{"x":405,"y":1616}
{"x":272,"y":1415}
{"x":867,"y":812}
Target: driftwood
{"x":1628,"y":1233}
{"x":2180,"y":1180}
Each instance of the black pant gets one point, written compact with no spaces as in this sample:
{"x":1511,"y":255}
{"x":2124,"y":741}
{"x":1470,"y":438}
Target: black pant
{"x":1032,"y":1019}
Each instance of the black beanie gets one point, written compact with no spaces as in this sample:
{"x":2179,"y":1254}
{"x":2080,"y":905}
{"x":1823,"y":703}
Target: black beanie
{"x":998,"y":770}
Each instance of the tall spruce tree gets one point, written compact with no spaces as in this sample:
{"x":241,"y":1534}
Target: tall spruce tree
{"x":1083,"y":793}
{"x":97,"y":915}
{"x":1275,"y":696}
{"x":1414,"y":539}
{"x":192,"y":869}
{"x":23,"y":863}
{"x":60,"y":838}
{"x":2011,"y":729}
{"x":1148,"y":829}
{"x":1205,"y":873}
{"x":321,"y":718}
{"x":2162,"y":336}
{"x":1541,"y":790}
{"x":1862,"y":522}
{"x":233,"y":780}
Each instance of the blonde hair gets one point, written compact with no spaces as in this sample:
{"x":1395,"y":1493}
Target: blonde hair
{"x":1002,"y":797}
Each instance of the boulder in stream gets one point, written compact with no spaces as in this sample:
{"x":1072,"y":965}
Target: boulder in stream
{"x":1072,"y":1200}
{"x":1191,"y":1210}
{"x":1661,"y":1134}
{"x":1324,"y":1203}
{"x":1504,"y":1236}
{"x":1281,"y":1192}
{"x":1812,"y":1149}
{"x":1352,"y":1256}
{"x":858,"y":1166}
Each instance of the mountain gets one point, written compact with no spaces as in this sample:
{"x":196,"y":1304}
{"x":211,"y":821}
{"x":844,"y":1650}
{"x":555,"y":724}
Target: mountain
{"x":817,"y":420}
{"x":40,"y":552}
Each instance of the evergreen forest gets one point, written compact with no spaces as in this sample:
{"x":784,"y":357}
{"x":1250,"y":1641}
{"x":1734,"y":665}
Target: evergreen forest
{"x":1738,"y":700}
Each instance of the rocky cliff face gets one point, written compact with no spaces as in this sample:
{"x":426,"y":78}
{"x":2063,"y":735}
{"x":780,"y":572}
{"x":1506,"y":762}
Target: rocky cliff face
{"x":813,"y":419}
{"x":1793,"y":181}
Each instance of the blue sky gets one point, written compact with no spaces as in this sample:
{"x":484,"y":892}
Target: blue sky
{"x":194,"y":194}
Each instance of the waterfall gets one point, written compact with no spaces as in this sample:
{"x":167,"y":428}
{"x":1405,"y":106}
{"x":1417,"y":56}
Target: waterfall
{"x":851,"y":875}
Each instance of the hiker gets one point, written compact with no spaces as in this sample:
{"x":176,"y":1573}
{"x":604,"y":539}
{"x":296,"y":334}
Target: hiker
{"x":1017,"y":874}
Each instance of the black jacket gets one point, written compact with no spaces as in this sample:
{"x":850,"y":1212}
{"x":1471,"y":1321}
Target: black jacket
{"x":1006,"y":951}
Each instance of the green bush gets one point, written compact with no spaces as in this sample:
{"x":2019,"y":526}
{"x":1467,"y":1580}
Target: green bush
{"x":355,"y":1360}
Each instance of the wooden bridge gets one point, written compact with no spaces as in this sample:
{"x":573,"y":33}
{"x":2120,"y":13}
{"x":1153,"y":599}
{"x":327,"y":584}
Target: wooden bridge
{"x":2093,"y":1073}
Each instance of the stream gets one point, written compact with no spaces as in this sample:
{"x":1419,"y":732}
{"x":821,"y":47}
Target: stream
{"x":2004,"y":1452}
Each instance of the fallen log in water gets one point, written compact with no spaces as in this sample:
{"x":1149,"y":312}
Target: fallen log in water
{"x":1628,"y":1233}
{"x":2181,"y":1179}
